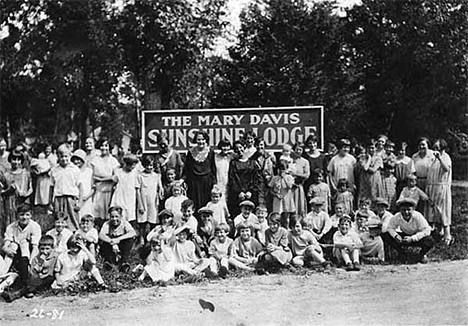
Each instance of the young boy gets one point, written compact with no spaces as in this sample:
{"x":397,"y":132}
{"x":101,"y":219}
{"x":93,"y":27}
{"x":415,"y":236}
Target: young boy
{"x":246,"y":216}
{"x":21,"y":242}
{"x":318,"y":221}
{"x":89,"y":233}
{"x":219,"y":250}
{"x":245,"y":249}
{"x":262,"y":214}
{"x":384,"y":216}
{"x":413,"y":191}
{"x":42,"y":266}
{"x":347,"y":245}
{"x":67,"y":189}
{"x":60,"y":233}
{"x":184,"y":254}
{"x":369,"y":233}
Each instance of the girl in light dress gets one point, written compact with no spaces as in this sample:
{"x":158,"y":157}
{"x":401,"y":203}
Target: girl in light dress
{"x":86,"y":179}
{"x":222,"y":160}
{"x":300,"y":170}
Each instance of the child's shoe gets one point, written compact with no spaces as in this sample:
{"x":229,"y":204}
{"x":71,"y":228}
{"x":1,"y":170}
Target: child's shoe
{"x":356,"y":266}
{"x":349,"y":267}
{"x":223,"y":271}
{"x":326,"y":265}
{"x":423,"y":259}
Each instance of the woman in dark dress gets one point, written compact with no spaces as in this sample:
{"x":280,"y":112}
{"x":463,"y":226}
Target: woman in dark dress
{"x":244,"y":179}
{"x":200,"y":170}
{"x":315,"y":157}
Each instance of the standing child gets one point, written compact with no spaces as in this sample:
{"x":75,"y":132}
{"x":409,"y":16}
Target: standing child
{"x":318,"y":222}
{"x":164,"y":230}
{"x":347,"y":245}
{"x":151,"y":192}
{"x":286,"y":154}
{"x":89,"y":233}
{"x":174,"y":203}
{"x":277,"y":252}
{"x":160,"y":262}
{"x":60,"y":233}
{"x":413,"y":191}
{"x":389,"y":185}
{"x":404,"y":166}
{"x":262,"y":214}
{"x":169,"y":181}
{"x":218,"y":206}
{"x":67,"y":188}
{"x":245,"y":249}
{"x":364,"y":206}
{"x":319,"y":188}
{"x":304,"y":246}
{"x":344,"y":196}
{"x":220,"y":250}
{"x":41,"y":168}
{"x":281,"y":188}
{"x":86,"y":180}
{"x":127,"y":190}
{"x":75,"y":263}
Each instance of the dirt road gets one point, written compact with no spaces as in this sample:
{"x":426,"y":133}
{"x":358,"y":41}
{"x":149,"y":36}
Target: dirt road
{"x":436,"y":293}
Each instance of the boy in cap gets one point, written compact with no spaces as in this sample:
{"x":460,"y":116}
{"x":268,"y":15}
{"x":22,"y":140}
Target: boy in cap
{"x":414,"y":231}
{"x":246,"y":216}
{"x":206,"y":229}
{"x":382,"y":215}
{"x":318,"y":221}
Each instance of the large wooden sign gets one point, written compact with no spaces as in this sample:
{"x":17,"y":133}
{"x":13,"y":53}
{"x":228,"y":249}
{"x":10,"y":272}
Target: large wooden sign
{"x":276,"y":125}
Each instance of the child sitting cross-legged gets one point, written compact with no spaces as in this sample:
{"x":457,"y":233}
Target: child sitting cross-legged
{"x":60,"y":233}
{"x":74,"y":264}
{"x":160,"y":262}
{"x":219,"y":250}
{"x":347,"y":245}
{"x":372,"y":249}
{"x":245,"y":249}
{"x":277,"y":252}
{"x":304,"y":246}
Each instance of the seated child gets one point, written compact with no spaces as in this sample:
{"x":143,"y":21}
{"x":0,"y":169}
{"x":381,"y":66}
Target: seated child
{"x":304,"y":246}
{"x":219,"y":250}
{"x":174,"y":203}
{"x":246,"y":216}
{"x":384,"y":216}
{"x":413,"y":191}
{"x":218,"y":206}
{"x":74,"y":264}
{"x":277,"y":252}
{"x":262,"y":215}
{"x":166,"y":229}
{"x":335,"y":218}
{"x":347,"y":245}
{"x":116,"y":240}
{"x":372,"y":244}
{"x":169,"y":181}
{"x":187,"y":218}
{"x":365,"y":206}
{"x":6,"y":278}
{"x":185,"y":258}
{"x":160,"y":262}
{"x":318,"y":222}
{"x":42,"y":266}
{"x":245,"y":249}
{"x":206,"y":230}
{"x":60,"y":233}
{"x":344,"y":196}
{"x":89,"y":233}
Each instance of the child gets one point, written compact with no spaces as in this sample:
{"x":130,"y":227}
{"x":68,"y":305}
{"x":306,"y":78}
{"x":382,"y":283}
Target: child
{"x":262,"y":214}
{"x":319,"y":188}
{"x":344,"y":196}
{"x":67,"y":188}
{"x":169,"y":181}
{"x":364,"y":206}
{"x":372,"y":244}
{"x":286,"y":154}
{"x":166,"y":229}
{"x":89,"y":233}
{"x":245,"y":249}
{"x":413,"y":191}
{"x":347,"y":245}
{"x":187,"y":208}
{"x":304,"y":246}
{"x":222,"y":160}
{"x":404,"y":166}
{"x":318,"y":222}
{"x":383,"y":216}
{"x":41,"y":168}
{"x":246,"y":216}
{"x":184,"y":254}
{"x":151,"y":192}
{"x":389,"y":156}
{"x":6,"y":278}
{"x":75,"y":263}
{"x":389,"y":181}
{"x":218,"y":206}
{"x":85,"y":178}
{"x":335,"y":219}
{"x":127,"y":190}
{"x":281,"y":188}
{"x":116,"y":237}
{"x":206,"y":229}
{"x":174,"y":203}
{"x":160,"y":262}
{"x":60,"y":233}
{"x":219,"y":250}
{"x":277,"y":252}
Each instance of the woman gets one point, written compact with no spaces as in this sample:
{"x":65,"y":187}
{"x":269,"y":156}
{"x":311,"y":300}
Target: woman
{"x":222,"y":160}
{"x":250,"y":139}
{"x":380,"y":145}
{"x":423,"y":159}
{"x":315,"y":158}
{"x":370,"y":180}
{"x":404,"y":166}
{"x":300,"y":170}
{"x":244,"y":179}
{"x":4,"y":164}
{"x":267,"y":163}
{"x":200,"y":170}
{"x":439,"y":182}
{"x":341,"y":166}
{"x":91,"y":151}
{"x":104,"y":167}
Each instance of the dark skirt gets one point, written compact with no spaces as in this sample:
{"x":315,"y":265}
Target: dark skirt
{"x":199,"y":190}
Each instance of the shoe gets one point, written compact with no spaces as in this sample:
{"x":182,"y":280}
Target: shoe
{"x":449,"y":241}
{"x":423,"y":259}
{"x":326,"y":265}
{"x":223,"y":271}
{"x":29,"y":295}
{"x":356,"y":267}
{"x":260,"y":271}
{"x":191,"y":279}
{"x":124,"y":268}
{"x":209,"y":273}
{"x":349,"y":267}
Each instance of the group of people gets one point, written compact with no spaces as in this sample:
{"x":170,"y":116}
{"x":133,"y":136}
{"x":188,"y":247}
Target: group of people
{"x":241,"y":207}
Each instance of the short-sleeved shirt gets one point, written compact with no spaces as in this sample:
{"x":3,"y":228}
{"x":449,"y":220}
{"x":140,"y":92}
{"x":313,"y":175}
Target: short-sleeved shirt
{"x":252,"y":220}
{"x":31,"y":233}
{"x":249,"y":249}
{"x":114,"y":232}
{"x":342,"y":167}
{"x":220,"y":248}
{"x":60,"y":240}
{"x":65,"y":180}
{"x":299,"y":243}
{"x":320,"y":222}
{"x":68,"y":266}
{"x":91,"y":236}
{"x":42,"y":266}
{"x":347,"y":239}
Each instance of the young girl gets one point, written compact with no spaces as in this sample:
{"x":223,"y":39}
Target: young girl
{"x":319,"y":188}
{"x":245,"y":249}
{"x":165,"y":230}
{"x":277,"y":252}
{"x":347,"y":245}
{"x":369,"y":166}
{"x":17,"y":189}
{"x":151,"y":192}
{"x":41,"y":168}
{"x":127,"y":191}
{"x":281,"y":187}
{"x":344,"y":197}
{"x":219,"y":250}
{"x":75,"y":263}
{"x":286,"y":154}
{"x":304,"y":246}
{"x":85,"y":178}
{"x":300,"y":170}
{"x":218,"y":206}
{"x":222,"y":160}
{"x":404,"y":166}
{"x":174,"y":203}
{"x":160,"y":262}
{"x":389,"y":185}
